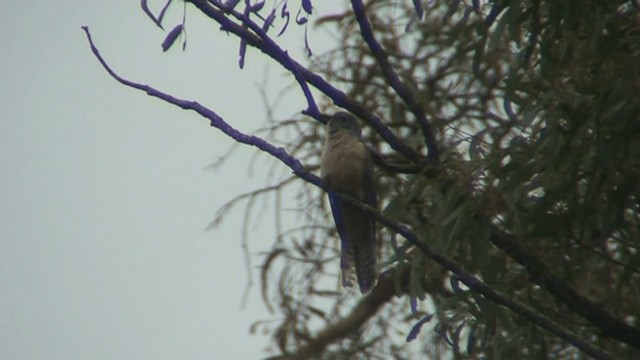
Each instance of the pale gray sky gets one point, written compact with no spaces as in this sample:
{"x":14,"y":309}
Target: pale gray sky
{"x":104,"y":194}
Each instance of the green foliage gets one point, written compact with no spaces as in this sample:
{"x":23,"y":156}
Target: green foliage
{"x":537,"y":115}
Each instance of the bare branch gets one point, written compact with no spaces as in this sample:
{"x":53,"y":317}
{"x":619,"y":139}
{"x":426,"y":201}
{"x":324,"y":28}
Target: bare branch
{"x":215,"y":120}
{"x":363,"y":311}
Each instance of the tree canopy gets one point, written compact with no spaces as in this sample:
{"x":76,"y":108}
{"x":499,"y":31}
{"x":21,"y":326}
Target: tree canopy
{"x":506,"y":137}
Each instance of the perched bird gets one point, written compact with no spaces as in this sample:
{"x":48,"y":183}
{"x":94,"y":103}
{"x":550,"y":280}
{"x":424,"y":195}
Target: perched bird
{"x":347,"y":167}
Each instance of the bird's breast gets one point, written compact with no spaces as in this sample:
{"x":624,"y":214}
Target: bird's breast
{"x":343,"y":167}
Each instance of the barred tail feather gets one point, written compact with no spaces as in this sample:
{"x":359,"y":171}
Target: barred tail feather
{"x":361,"y":246}
{"x":366,"y":267}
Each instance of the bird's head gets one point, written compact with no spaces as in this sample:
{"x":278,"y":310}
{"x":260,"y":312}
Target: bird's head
{"x":342,"y":122}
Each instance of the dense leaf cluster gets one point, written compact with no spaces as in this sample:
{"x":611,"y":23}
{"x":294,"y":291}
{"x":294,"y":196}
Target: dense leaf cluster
{"x":537,"y":114}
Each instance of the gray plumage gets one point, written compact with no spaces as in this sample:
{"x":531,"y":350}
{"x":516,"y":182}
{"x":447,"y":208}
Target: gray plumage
{"x":347,"y":167}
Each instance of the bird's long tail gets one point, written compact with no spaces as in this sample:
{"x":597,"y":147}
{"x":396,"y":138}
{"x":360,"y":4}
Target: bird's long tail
{"x":362,"y":246}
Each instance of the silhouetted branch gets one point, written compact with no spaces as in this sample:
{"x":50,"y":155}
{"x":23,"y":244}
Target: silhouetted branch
{"x":608,"y":324}
{"x":214,"y":119}
{"x":257,"y":38}
{"x":366,"y":308}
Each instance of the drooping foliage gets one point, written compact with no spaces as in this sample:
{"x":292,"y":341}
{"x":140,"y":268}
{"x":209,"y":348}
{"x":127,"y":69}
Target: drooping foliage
{"x":537,"y":111}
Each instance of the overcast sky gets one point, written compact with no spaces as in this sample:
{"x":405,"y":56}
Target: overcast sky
{"x":104,"y":191}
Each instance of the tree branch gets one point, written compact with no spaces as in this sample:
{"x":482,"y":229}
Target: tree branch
{"x":608,"y":324}
{"x":366,"y":308}
{"x":264,"y":43}
{"x":394,"y":80}
{"x":215,"y":120}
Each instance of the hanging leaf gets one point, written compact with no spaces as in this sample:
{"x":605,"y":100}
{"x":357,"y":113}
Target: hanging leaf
{"x":300,"y":19}
{"x":171,"y":37}
{"x":454,"y":281}
{"x":456,"y":338}
{"x":417,"y":4}
{"x":184,"y":42}
{"x":145,"y":8}
{"x":442,"y":331}
{"x":409,"y":25}
{"x":471,"y":342}
{"x":475,"y":146}
{"x":269,"y":20}
{"x":242,"y":52}
{"x":415,"y":330}
{"x":306,"y":5}
{"x":163,"y":11}
{"x":284,"y":13}
{"x":306,"y":43}
{"x":257,"y":6}
{"x":231,"y":4}
{"x":413,"y":301}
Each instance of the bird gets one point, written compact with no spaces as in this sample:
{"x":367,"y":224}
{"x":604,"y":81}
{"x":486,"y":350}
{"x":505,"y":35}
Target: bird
{"x":347,"y":167}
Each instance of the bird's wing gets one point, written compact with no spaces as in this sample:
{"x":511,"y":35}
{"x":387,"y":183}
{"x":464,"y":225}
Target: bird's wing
{"x":369,"y":186}
{"x":365,"y":249}
{"x":346,"y":246}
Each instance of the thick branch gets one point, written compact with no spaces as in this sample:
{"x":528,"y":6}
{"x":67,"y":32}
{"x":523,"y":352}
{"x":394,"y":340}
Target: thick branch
{"x":608,"y":324}
{"x":363,"y":311}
